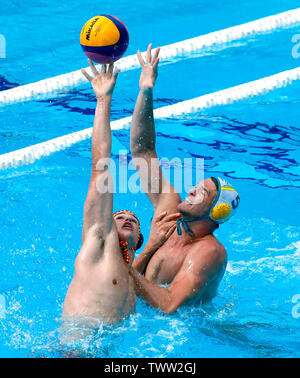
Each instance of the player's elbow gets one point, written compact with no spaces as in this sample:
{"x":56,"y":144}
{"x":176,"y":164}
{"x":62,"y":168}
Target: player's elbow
{"x":169,"y":308}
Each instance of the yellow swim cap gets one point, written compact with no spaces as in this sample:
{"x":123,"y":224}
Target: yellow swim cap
{"x":226,"y":202}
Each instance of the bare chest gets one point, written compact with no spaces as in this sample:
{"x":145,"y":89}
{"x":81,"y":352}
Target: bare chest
{"x":165,"y":264}
{"x":103,"y":291}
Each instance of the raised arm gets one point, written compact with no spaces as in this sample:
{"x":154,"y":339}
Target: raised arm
{"x":142,"y":140}
{"x":99,"y":203}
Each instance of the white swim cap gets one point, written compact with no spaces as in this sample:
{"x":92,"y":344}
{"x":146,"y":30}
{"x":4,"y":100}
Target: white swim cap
{"x":226,"y":202}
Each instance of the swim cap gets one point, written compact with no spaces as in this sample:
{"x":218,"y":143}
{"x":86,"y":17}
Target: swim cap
{"x":141,"y":237}
{"x":226,"y":202}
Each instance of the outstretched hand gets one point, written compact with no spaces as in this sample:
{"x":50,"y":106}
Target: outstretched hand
{"x":149,"y":69}
{"x":103,"y":83}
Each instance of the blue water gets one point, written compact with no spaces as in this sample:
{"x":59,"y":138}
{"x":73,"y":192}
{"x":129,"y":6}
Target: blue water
{"x":254,"y":143}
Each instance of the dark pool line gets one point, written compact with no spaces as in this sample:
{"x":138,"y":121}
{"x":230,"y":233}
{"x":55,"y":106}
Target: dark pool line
{"x":90,"y":97}
{"x":5,"y":84}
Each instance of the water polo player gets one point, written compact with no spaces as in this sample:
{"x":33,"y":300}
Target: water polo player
{"x":191,"y":260}
{"x":102,"y":288}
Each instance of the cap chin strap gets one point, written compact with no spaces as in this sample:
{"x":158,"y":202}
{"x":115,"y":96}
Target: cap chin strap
{"x":184,"y":222}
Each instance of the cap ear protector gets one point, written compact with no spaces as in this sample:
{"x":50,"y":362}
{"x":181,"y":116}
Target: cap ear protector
{"x":226,"y":202}
{"x":140,"y":242}
{"x":141,"y":237}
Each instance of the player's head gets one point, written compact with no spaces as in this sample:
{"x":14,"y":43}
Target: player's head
{"x":212,"y":198}
{"x":128,"y":227}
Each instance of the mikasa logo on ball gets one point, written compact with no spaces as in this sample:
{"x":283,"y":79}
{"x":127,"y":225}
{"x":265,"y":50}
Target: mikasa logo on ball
{"x":88,"y":34}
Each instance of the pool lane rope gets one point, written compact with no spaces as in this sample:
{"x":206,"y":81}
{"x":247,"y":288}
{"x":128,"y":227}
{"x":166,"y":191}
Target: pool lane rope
{"x":42,"y":88}
{"x":226,"y":96}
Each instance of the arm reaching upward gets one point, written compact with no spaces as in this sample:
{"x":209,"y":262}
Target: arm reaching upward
{"x":142,"y":137}
{"x":98,"y":204}
{"x":142,"y":140}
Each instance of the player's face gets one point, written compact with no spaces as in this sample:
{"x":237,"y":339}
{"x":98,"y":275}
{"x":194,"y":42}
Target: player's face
{"x":127,"y":226}
{"x":199,"y":200}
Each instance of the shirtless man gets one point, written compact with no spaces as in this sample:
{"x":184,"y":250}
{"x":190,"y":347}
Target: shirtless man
{"x":102,"y":288}
{"x":186,"y":255}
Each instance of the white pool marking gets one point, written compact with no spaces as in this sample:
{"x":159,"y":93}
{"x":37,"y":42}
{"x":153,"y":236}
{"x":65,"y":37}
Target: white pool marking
{"x":184,"y":48}
{"x":226,"y":96}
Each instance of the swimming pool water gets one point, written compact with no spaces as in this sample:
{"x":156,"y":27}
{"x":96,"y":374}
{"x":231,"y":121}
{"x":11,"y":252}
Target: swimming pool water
{"x":253,"y":143}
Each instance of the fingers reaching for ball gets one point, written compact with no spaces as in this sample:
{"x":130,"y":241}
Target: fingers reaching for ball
{"x":155,"y":59}
{"x":116,"y":73}
{"x":149,"y":69}
{"x":93,"y":68}
{"x":152,"y":60}
{"x":140,"y":58}
{"x":83,"y":71}
{"x":104,"y":70}
{"x":149,"y":53}
{"x":103,"y":82}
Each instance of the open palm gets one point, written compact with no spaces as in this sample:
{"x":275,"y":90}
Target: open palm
{"x":103,"y":83}
{"x":149,"y":69}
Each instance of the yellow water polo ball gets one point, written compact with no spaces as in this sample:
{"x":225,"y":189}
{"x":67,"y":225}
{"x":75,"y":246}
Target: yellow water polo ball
{"x":104,"y":39}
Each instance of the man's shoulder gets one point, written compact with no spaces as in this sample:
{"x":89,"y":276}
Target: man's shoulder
{"x":209,"y":248}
